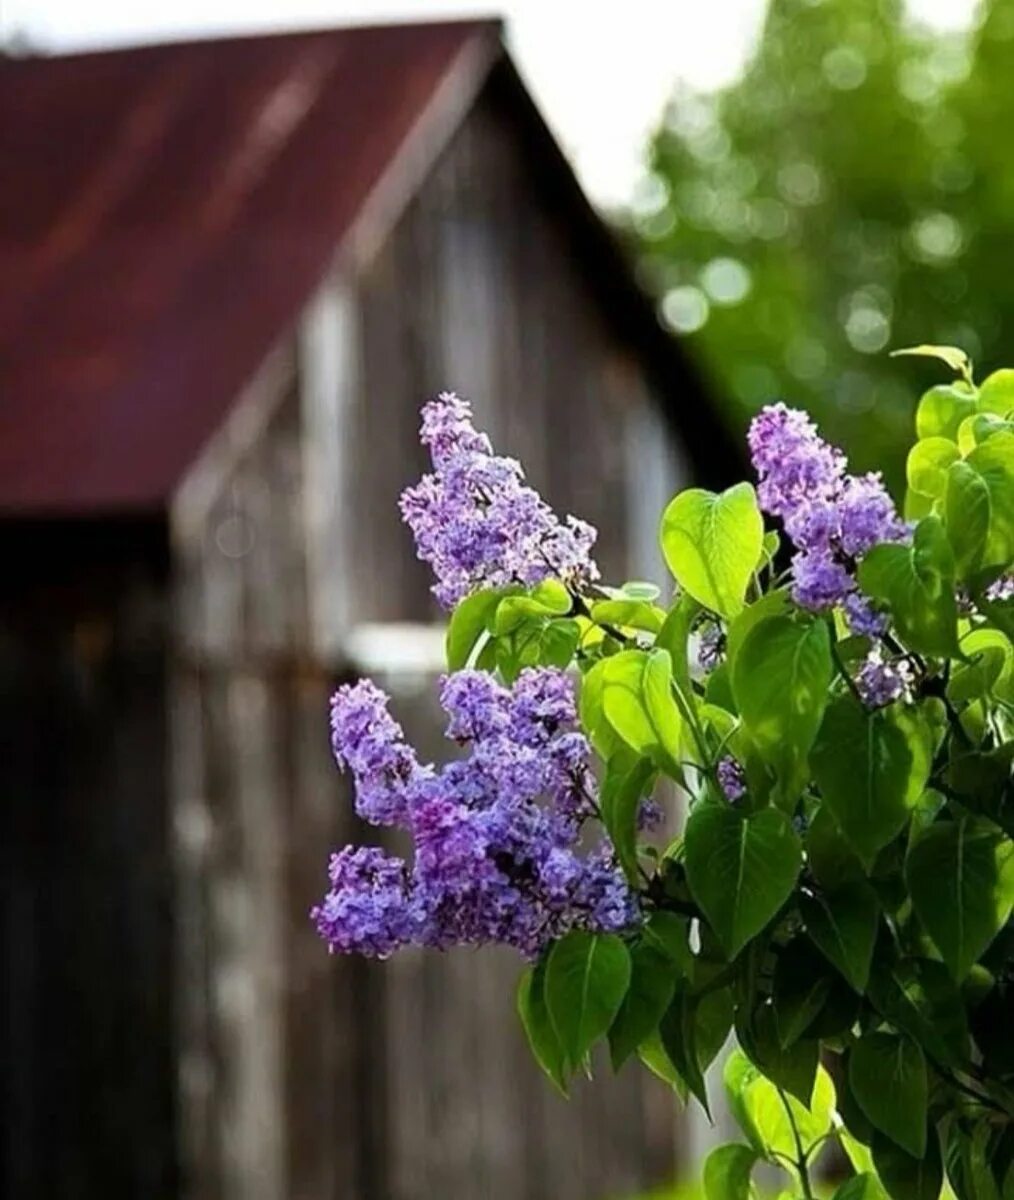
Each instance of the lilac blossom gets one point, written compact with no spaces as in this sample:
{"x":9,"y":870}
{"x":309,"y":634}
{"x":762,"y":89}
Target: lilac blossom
{"x":710,"y":646}
{"x":496,"y":833}
{"x":368,"y":909}
{"x":881,"y":682}
{"x":476,"y":522}
{"x":369,"y":742}
{"x":731,"y":778}
{"x":833,"y":518}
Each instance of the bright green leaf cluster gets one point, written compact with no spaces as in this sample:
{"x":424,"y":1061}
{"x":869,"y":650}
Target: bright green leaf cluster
{"x":836,"y":881}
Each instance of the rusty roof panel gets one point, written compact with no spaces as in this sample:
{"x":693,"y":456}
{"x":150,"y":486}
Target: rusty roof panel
{"x":166,"y":212}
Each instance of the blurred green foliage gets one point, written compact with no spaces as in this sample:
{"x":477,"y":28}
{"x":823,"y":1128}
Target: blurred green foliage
{"x":851,"y":193}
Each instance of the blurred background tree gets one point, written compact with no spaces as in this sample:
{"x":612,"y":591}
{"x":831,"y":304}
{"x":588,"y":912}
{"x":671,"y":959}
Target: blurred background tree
{"x":852,"y":192}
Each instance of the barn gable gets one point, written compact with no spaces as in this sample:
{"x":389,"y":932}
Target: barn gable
{"x":169,"y":211}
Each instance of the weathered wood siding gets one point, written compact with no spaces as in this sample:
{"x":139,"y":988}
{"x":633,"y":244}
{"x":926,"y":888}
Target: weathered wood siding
{"x":303,"y":1076}
{"x":86,"y":1000}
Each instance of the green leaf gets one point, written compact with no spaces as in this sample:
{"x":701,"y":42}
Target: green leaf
{"x":961,"y":877}
{"x":759,"y":1109}
{"x":830,"y":857}
{"x":917,"y":584}
{"x":548,"y":598}
{"x":587,"y":976}
{"x":989,"y":659}
{"x":591,"y":711}
{"x":712,"y":1022}
{"x":927,"y":465}
{"x":692,"y":1031}
{"x":467,"y":625}
{"x":652,"y":1053}
{"x":905,"y":1177}
{"x":983,"y":782}
{"x":971,"y":1155}
{"x":843,"y":926}
{"x":771,"y":604}
{"x":542,"y":1039}
{"x":674,"y":636}
{"x":920,"y":997}
{"x":652,"y":984}
{"x":678,"y":1031}
{"x":628,"y":777}
{"x":712,"y":543}
{"x":727,"y":1172}
{"x":966,"y":515}
{"x":669,"y":933}
{"x":632,"y":614}
{"x":871,"y":768}
{"x":860,"y":1187}
{"x":993,"y":461}
{"x":741,"y":868}
{"x":980,"y":428}
{"x":623,"y":701}
{"x":780,"y":681}
{"x":996,"y":393}
{"x":656,"y":691}
{"x":942,"y":409}
{"x":887,"y":1075}
{"x":558,"y":643}
{"x":637,"y":701}
{"x":857,"y":1154}
{"x":956,"y":359}
{"x":792,"y":1068}
{"x":801,"y":986}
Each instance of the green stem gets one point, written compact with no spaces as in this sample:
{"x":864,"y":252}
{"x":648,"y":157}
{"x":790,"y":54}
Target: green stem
{"x":842,"y":669}
{"x":801,"y":1165}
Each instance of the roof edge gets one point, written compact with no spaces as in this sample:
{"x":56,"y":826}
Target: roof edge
{"x":492,"y":24}
{"x":430,"y":134}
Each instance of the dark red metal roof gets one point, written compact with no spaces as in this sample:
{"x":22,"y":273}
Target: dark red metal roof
{"x":165,"y":213}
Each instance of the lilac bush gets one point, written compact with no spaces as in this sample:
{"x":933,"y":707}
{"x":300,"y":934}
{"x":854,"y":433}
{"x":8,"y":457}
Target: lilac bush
{"x":830,"y":727}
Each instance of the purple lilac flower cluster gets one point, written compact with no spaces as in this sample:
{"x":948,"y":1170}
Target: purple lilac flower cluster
{"x":495,"y":833}
{"x":881,"y":682}
{"x":475,"y":521}
{"x":731,"y":778}
{"x":832,"y":518}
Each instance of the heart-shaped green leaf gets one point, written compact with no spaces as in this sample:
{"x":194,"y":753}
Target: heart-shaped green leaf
{"x":741,"y":868}
{"x":545,"y":1045}
{"x":780,"y":680}
{"x":887,"y":1075}
{"x":652,"y":984}
{"x":917,"y":584}
{"x":727,"y":1172}
{"x":843,"y":926}
{"x":587,"y":976}
{"x":961,"y":877}
{"x":871,"y":768}
{"x":712,"y":543}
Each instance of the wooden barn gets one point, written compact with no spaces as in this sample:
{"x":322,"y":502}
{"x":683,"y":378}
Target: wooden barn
{"x":229,"y":274}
